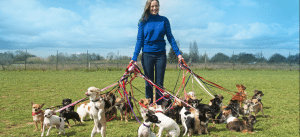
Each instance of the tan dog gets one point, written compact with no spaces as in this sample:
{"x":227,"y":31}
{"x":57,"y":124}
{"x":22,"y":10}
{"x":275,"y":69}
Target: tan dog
{"x":124,"y":108}
{"x":241,"y":96}
{"x":256,"y":106}
{"x":37,"y":115}
{"x":144,"y":107}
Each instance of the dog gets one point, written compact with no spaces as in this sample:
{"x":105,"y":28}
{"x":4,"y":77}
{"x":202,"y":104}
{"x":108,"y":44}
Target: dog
{"x":124,"y":108}
{"x":205,"y":114}
{"x":247,"y":104}
{"x":110,"y":100}
{"x":37,"y":115}
{"x":84,"y":110}
{"x":66,"y":102}
{"x":190,"y":121}
{"x":236,"y":110}
{"x":97,"y":111}
{"x":245,"y":126}
{"x":191,"y":94}
{"x":70,"y":115}
{"x":253,"y":105}
{"x":228,"y":117}
{"x":215,"y":107}
{"x":145,"y":130}
{"x":241,"y":95}
{"x":51,"y":120}
{"x":167,"y":124}
{"x":257,"y":95}
{"x":144,"y":107}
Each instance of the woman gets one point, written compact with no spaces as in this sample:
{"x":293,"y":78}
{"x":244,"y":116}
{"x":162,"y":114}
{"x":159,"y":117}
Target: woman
{"x":151,"y":32}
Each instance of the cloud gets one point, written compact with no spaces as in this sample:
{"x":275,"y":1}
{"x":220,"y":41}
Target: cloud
{"x":107,"y":26}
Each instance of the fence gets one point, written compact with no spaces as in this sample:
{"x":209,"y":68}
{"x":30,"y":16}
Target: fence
{"x":122,"y":64}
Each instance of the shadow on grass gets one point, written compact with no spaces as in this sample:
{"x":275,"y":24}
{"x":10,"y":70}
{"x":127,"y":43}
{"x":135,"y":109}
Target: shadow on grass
{"x":72,"y":133}
{"x":214,"y":129}
{"x":261,"y":116}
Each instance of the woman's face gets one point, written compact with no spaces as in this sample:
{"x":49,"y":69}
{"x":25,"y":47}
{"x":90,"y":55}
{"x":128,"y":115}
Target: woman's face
{"x":154,"y":8}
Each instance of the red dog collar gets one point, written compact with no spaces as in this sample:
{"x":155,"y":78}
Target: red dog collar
{"x":36,"y":113}
{"x":158,"y":112}
{"x":142,"y":105}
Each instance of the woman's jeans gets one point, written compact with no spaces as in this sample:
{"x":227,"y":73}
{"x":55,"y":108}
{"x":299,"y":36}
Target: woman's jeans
{"x":150,"y":62}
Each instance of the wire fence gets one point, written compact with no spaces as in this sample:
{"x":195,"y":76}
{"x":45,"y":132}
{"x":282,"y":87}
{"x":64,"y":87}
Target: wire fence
{"x":92,"y":61}
{"x":122,"y":64}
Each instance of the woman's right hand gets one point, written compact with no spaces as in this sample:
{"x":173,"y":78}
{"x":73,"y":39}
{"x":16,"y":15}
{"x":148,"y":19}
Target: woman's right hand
{"x":133,"y":62}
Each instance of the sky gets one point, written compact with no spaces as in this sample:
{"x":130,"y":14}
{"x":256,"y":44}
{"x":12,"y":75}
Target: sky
{"x":43,"y":27}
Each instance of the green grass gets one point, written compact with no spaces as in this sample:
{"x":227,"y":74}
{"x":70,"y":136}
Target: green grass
{"x":19,"y":88}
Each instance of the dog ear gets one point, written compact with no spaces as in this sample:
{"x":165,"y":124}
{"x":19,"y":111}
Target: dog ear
{"x":98,"y":90}
{"x":237,"y":85}
{"x":245,"y":118}
{"x":243,"y":86}
{"x":255,"y":91}
{"x":31,"y":103}
{"x":141,"y":101}
{"x":42,"y":105}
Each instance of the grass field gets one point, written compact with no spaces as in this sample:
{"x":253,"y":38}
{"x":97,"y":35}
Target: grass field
{"x":19,"y":88}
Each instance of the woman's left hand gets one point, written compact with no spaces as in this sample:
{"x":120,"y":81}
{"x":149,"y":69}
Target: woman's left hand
{"x":180,"y":58}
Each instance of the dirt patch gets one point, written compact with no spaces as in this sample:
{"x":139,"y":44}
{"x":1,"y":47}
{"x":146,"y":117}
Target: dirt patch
{"x":30,"y":123}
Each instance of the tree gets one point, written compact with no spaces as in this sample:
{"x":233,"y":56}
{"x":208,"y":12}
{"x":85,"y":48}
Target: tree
{"x":194,"y":54}
{"x":204,"y":58}
{"x":246,"y":58}
{"x":110,"y":55}
{"x":277,"y":58}
{"x":172,"y":55}
{"x":219,"y":57}
{"x":293,"y":58}
{"x":6,"y":58}
{"x":22,"y":56}
{"x":233,"y":58}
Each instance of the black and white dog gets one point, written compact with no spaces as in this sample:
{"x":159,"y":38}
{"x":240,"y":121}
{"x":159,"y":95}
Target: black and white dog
{"x":145,"y":130}
{"x":70,"y":115}
{"x":189,"y":123}
{"x":66,"y":102}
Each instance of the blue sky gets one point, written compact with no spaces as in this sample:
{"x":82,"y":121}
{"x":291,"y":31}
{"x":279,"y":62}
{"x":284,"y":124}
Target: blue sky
{"x":102,"y":26}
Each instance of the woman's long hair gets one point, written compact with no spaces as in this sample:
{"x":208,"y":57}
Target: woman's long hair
{"x":146,"y":12}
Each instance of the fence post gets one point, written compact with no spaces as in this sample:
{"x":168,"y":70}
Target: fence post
{"x":87,"y":58}
{"x":25,"y":59}
{"x":56,"y":60}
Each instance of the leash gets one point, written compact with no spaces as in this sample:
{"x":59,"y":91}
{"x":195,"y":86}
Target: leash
{"x":70,"y":104}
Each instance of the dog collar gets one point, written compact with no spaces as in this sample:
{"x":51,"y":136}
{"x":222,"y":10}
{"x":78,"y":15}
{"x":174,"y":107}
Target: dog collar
{"x":142,"y":105}
{"x":95,"y":100}
{"x":158,"y":111}
{"x":146,"y":125}
{"x":33,"y":114}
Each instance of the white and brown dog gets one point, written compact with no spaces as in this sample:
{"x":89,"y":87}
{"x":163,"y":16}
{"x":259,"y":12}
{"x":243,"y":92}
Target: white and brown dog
{"x":37,"y":115}
{"x":97,"y":111}
{"x":51,"y":120}
{"x":84,"y":110}
{"x":253,"y":105}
